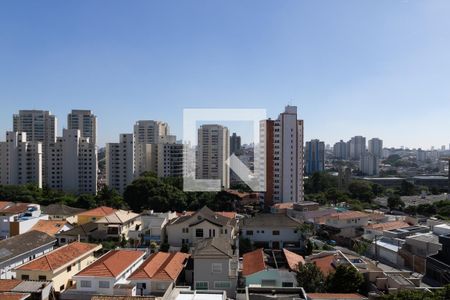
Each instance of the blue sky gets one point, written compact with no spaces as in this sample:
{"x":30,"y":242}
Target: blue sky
{"x":376,"y":68}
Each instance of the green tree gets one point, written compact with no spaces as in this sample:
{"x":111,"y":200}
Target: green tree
{"x":311,"y":278}
{"x":346,"y":279}
{"x":407,"y":188}
{"x":361,"y":190}
{"x":164,"y":247}
{"x":395,"y":202}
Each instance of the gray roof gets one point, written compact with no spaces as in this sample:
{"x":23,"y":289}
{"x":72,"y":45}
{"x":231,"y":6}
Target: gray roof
{"x":29,"y":286}
{"x":82,"y":230}
{"x":270,"y":220}
{"x":205,"y":214}
{"x":213,"y":247}
{"x":61,"y":209}
{"x":23,"y":243}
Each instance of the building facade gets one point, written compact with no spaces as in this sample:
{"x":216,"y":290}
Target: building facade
{"x":120,"y":162}
{"x":357,"y":147}
{"x":340,"y":150}
{"x":314,"y":157}
{"x":369,"y":164}
{"x":376,"y":147}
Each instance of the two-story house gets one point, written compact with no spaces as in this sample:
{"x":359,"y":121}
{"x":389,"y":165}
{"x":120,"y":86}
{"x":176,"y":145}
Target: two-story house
{"x":348,"y":224}
{"x":205,"y":223}
{"x":158,"y":273}
{"x":273,"y":231}
{"x":18,"y":218}
{"x":59,"y":265}
{"x":92,"y":215}
{"x":153,"y":226}
{"x":117,"y":224}
{"x":215,"y":265}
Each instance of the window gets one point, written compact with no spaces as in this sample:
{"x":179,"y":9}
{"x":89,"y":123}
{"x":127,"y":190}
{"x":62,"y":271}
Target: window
{"x":69,"y":268}
{"x":222,"y":284}
{"x":185,"y":230}
{"x":201,"y":285}
{"x":61,"y":287}
{"x":42,"y":278}
{"x":85,"y":284}
{"x":276,"y":232}
{"x":103,"y":284}
{"x":199,"y":232}
{"x":287,"y":284}
{"x":249,"y":232}
{"x":216,"y":268}
{"x":25,"y":277}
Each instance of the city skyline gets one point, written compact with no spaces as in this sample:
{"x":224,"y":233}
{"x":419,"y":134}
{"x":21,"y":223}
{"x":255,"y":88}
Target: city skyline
{"x":352,"y":68}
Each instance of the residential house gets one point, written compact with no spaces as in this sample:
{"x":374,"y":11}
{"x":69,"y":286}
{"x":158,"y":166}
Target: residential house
{"x":215,"y":265}
{"x":373,"y":231}
{"x":438,"y":265}
{"x":335,"y":296}
{"x":272,"y":269}
{"x":82,"y":233}
{"x":51,"y":227}
{"x":153,"y":226}
{"x":417,"y":248}
{"x":59,"y":265}
{"x":58,"y":211}
{"x":18,"y":218}
{"x":117,"y":225}
{"x":35,"y":290}
{"x":274,"y":231}
{"x":93,"y":215}
{"x":348,"y":224}
{"x":205,"y":223}
{"x":20,"y":249}
{"x":158,"y":273}
{"x":105,"y":273}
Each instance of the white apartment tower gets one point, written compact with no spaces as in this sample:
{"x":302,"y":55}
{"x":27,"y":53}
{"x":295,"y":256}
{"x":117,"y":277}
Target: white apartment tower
{"x":120,"y":162}
{"x":40,"y":126}
{"x":357,"y":147}
{"x":20,"y":160}
{"x":85,"y":121}
{"x":376,"y":147}
{"x":213,"y":150}
{"x":72,"y":163}
{"x":282,"y":150}
{"x":369,"y":164}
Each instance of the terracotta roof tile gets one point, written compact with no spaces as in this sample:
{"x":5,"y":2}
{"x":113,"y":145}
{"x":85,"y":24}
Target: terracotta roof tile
{"x":3,"y":204}
{"x":253,"y":262}
{"x":293,"y":259}
{"x":112,"y":263}
{"x":348,"y":215}
{"x":7,"y":285}
{"x":59,"y":257}
{"x":324,"y":263}
{"x":14,"y":296}
{"x":161,"y":266}
{"x":51,"y":227}
{"x":388,"y":225}
{"x":314,"y":296}
{"x":15,"y":208}
{"x":227,"y":214}
{"x":97,"y":212}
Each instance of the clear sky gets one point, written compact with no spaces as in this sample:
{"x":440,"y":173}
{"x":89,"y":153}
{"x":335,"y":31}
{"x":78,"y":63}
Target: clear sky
{"x":378,"y":68}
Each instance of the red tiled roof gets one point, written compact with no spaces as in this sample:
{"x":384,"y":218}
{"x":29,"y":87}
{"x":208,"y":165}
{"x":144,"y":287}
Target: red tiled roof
{"x":253,"y":262}
{"x":388,"y":225}
{"x":227,"y":214}
{"x":112,"y":263}
{"x":324,"y":263}
{"x":3,"y":204}
{"x":161,"y":266}
{"x":15,"y":208}
{"x":59,"y":257}
{"x":51,"y":227}
{"x":97,"y":212}
{"x":283,"y":205}
{"x":13,"y":296}
{"x":314,"y":296}
{"x":7,"y":285}
{"x":348,"y":215}
{"x":293,"y":259}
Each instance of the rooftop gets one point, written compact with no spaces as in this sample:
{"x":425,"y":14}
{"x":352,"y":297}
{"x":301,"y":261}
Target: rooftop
{"x":61,"y":209}
{"x":82,"y":229}
{"x":253,"y":262}
{"x":118,"y":217}
{"x":23,"y":243}
{"x":51,"y":227}
{"x":350,"y":214}
{"x":319,"y":296}
{"x":293,"y":259}
{"x":161,"y":266}
{"x":14,"y":296}
{"x":206,"y":214}
{"x":60,"y":257}
{"x":388,"y":225}
{"x":213,"y":247}
{"x":98,"y":212}
{"x":270,"y":220}
{"x":112,"y":264}
{"x":22,"y":286}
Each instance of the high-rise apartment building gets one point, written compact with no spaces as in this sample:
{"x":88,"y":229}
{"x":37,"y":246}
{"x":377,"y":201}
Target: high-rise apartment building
{"x":120,"y":162}
{"x":314,"y":157}
{"x":357,"y":148}
{"x":85,"y":121}
{"x":235,"y":144}
{"x":340,"y":150}
{"x":40,"y":126}
{"x":376,"y":147}
{"x":281,"y":145}
{"x":20,"y":160}
{"x":369,"y":164}
{"x":72,"y":163}
{"x":213,"y":150}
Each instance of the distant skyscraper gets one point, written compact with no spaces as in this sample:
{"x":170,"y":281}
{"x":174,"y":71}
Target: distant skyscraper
{"x":340,"y":150}
{"x":235,"y":143}
{"x":20,"y":160}
{"x":40,"y":126}
{"x":282,"y":147}
{"x":120,"y":164}
{"x":314,"y":157}
{"x":421,"y":155}
{"x":85,"y":121}
{"x":376,"y":147}
{"x":369,"y":164}
{"x":212,"y":151}
{"x":73,"y":163}
{"x":357,"y":147}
